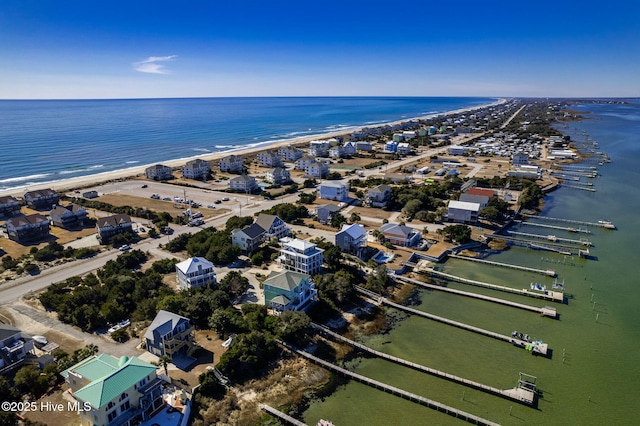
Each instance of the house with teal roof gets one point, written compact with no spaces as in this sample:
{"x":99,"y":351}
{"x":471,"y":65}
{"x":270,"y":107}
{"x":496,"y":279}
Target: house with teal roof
{"x":114,"y":391}
{"x":289,"y":291}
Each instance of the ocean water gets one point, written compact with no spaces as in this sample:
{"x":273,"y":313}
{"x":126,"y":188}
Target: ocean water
{"x":50,"y":140}
{"x":592,"y":376}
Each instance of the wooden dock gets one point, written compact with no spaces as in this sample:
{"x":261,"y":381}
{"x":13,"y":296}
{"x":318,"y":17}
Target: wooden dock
{"x":539,"y":348}
{"x":547,"y":272}
{"x":282,"y":416}
{"x":522,"y":396}
{"x":552,"y":238}
{"x":470,"y":418}
{"x":554,"y":296}
{"x":601,"y":224}
{"x":561,"y":228}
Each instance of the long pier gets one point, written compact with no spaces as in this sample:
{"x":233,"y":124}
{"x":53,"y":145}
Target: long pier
{"x":470,"y":418}
{"x":544,"y":311}
{"x":282,"y":416}
{"x":520,"y":395}
{"x":540,"y":348}
{"x":555,"y":296}
{"x":584,"y":188}
{"x":561,"y":228}
{"x":547,"y":272}
{"x":547,"y":245}
{"x":552,"y":238}
{"x":601,"y":224}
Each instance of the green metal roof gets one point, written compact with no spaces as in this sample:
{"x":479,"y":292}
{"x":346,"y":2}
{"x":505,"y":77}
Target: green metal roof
{"x":127,"y":372}
{"x":286,"y":280}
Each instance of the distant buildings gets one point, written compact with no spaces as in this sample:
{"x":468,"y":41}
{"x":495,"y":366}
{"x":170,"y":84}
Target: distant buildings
{"x":171,"y":335}
{"x":520,"y":159}
{"x":159,"y":172}
{"x":478,"y":195}
{"x":90,"y":194}
{"x":274,"y":227}
{"x":28,"y":229}
{"x":9,"y":206}
{"x":243,"y":183}
{"x":303,"y":162}
{"x":43,"y":199}
{"x":325,"y":212}
{"x":290,"y":153}
{"x":317,"y":169}
{"x":400,"y":235}
{"x":119,"y":391}
{"x":351,"y":239}
{"x":68,"y":217}
{"x":457,"y":150}
{"x":319,"y":148}
{"x":195,"y":272}
{"x":289,"y":291}
{"x":403,"y":149}
{"x":337,"y":152}
{"x":112,"y":225}
{"x":463,"y":212}
{"x":232,"y":164}
{"x":196,"y":169}
{"x":248,"y":239}
{"x":333,"y":190}
{"x":301,"y":256}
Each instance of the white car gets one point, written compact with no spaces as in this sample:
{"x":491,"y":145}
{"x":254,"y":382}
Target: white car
{"x":125,"y":247}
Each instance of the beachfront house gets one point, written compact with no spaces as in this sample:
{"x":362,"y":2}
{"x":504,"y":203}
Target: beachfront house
{"x":303,"y":162}
{"x":14,"y":347}
{"x":195,"y":272}
{"x":352,"y":239}
{"x":349,"y":148}
{"x":364,"y":146}
{"x":274,"y":227}
{"x":289,"y":291}
{"x":112,"y":225}
{"x":269,"y":159}
{"x":117,"y":391}
{"x":478,"y":195}
{"x":317,"y":169}
{"x":400,"y":235}
{"x":41,"y":199}
{"x":300,"y":256}
{"x":277,"y":176}
{"x":333,"y":190}
{"x":90,"y":194}
{"x":378,"y":196}
{"x":325,"y":212}
{"x":462,"y":211}
{"x":319,"y":148}
{"x":231,"y":164}
{"x":243,"y":183}
{"x":159,"y":172}
{"x":171,"y":335}
{"x":337,"y":152}
{"x":248,"y":239}
{"x":28,"y":229}
{"x":196,"y":169}
{"x":290,"y":153}
{"x":69,"y":217}
{"x":9,"y":206}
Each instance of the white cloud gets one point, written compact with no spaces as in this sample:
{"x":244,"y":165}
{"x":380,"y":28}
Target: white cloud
{"x":153,"y":64}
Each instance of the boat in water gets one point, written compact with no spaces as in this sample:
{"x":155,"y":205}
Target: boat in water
{"x":536,"y":347}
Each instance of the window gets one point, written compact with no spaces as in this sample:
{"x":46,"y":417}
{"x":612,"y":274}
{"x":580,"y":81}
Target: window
{"x":112,"y":415}
{"x":123,"y":396}
{"x":142,"y":382}
{"x":110,"y":405}
{"x":124,"y":407}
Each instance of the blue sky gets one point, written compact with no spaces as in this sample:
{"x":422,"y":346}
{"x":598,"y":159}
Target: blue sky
{"x":116,"y":49}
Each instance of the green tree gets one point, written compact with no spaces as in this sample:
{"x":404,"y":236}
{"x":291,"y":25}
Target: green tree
{"x":293,"y":326}
{"x":337,"y":220}
{"x":355,"y":217}
{"x":234,"y":284}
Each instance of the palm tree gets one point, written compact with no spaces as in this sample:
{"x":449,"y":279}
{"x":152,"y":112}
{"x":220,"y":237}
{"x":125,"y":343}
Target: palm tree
{"x":163,"y":361}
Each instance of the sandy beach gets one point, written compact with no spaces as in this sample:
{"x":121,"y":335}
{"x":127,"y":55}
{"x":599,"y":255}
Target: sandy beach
{"x":90,"y":180}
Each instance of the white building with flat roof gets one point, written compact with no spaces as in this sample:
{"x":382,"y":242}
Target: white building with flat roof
{"x":463,"y":212}
{"x":300,"y":256}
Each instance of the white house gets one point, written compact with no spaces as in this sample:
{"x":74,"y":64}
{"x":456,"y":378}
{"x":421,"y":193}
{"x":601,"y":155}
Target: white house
{"x":336,"y":152}
{"x":319,"y":148}
{"x":277,"y":175}
{"x":275,"y":228}
{"x":300,"y":256}
{"x":158,"y":172}
{"x":457,"y":150}
{"x":462,"y":211}
{"x":290,"y":153}
{"x":243,"y":183}
{"x":349,"y":148}
{"x":403,"y":148}
{"x":231,"y":164}
{"x":478,"y":195}
{"x":364,"y":146}
{"x":248,"y":239}
{"x":408,"y":135}
{"x":333,"y":190}
{"x":378,"y":196}
{"x":195,"y":272}
{"x":520,"y":159}
{"x":196,"y":169}
{"x":303,"y":162}
{"x":269,"y":159}
{"x":317,"y":170}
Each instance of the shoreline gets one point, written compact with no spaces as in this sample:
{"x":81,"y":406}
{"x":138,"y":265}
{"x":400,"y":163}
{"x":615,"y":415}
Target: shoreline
{"x":62,"y":185}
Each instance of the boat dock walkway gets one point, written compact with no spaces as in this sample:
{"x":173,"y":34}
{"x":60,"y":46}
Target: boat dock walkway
{"x":282,"y":416}
{"x":552,"y":238}
{"x":555,"y":296}
{"x":547,"y":272}
{"x":546,"y":245}
{"x":540,"y":348}
{"x":584,"y":188}
{"x":601,"y":224}
{"x":561,"y":228}
{"x":546,"y":311}
{"x":520,"y":395}
{"x":393,"y":390}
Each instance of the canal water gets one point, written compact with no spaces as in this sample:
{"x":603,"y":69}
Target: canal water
{"x":592,"y":376}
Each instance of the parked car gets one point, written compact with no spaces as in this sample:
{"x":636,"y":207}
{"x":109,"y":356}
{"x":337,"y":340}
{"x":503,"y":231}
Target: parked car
{"x":225,"y":199}
{"x":144,"y":186}
{"x":125,"y":247}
